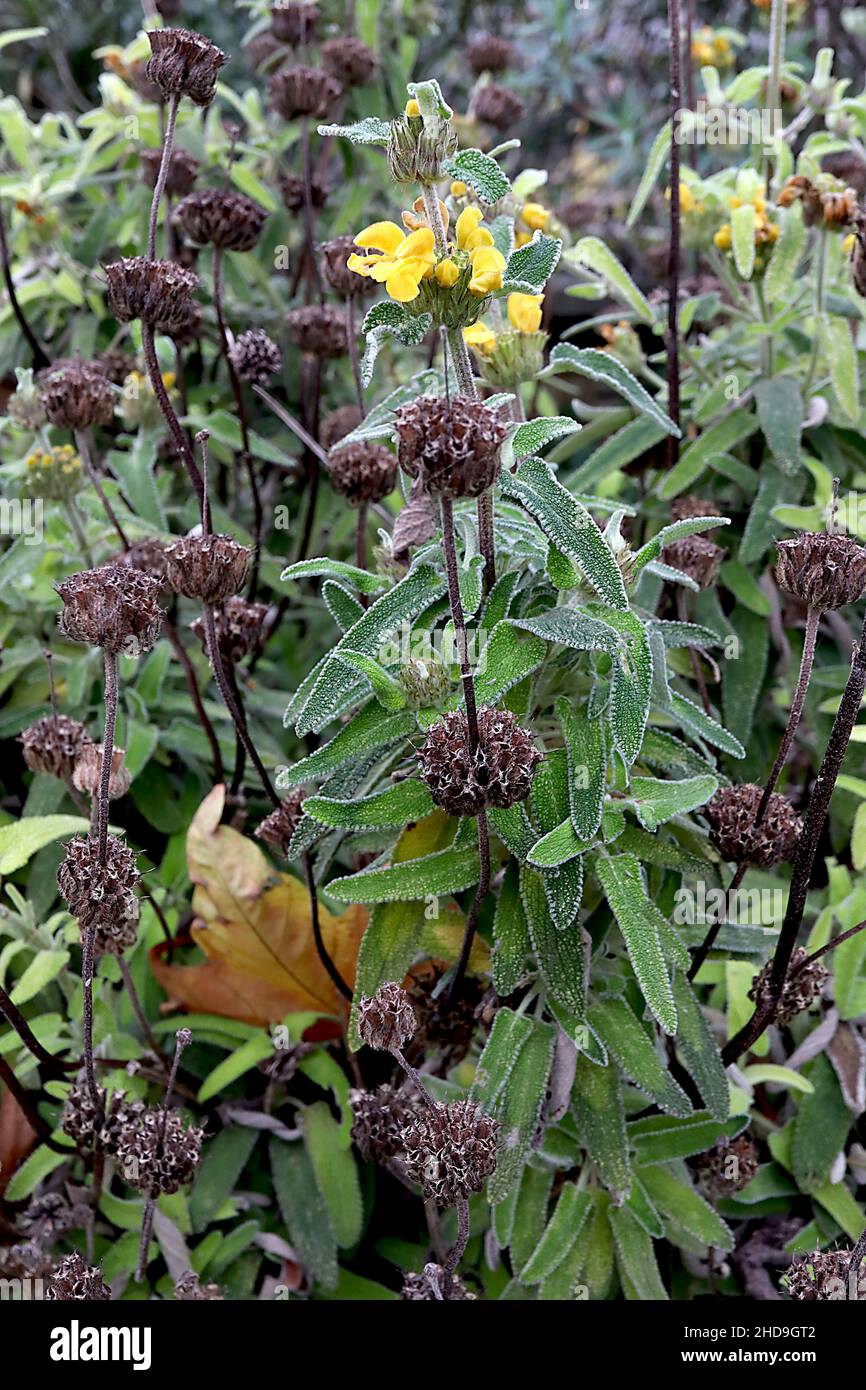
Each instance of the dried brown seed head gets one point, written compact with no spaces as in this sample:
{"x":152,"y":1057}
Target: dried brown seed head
{"x":182,"y":171}
{"x":363,"y":472}
{"x":278,"y":828}
{"x":699,"y":558}
{"x":450,"y":1150}
{"x":113,"y":607}
{"x":77,"y":395}
{"x":490,"y":53}
{"x":183,"y":63}
{"x":822,"y":1276}
{"x":117,"y":364}
{"x":497,"y":106}
{"x":303,"y":91}
{"x":102,"y":896}
{"x":451,"y":445}
{"x":292,"y":189}
{"x":334,"y":256}
{"x":189,"y":1289}
{"x":348,"y":60}
{"x":387,"y":1020}
{"x":239,"y":626}
{"x":822,"y":569}
{"x":73,"y":1279}
{"x":255,"y":356}
{"x":731,"y":814}
{"x":729,"y":1166}
{"x":157,"y":1152}
{"x":148,"y":556}
{"x":53,"y":745}
{"x":802,"y":986}
{"x":319,"y":329}
{"x":211,"y":568}
{"x":88,"y":768}
{"x":160,"y":293}
{"x":380,"y":1117}
{"x":434,"y":1284}
{"x":295,"y":22}
{"x":499,"y":772}
{"x":337,"y":424}
{"x":222,"y":218}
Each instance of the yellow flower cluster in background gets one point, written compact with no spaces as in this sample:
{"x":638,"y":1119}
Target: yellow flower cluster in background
{"x":711,"y":49}
{"x":402,"y":260}
{"x":533,"y":217}
{"x":766,"y":232}
{"x":524,"y":316}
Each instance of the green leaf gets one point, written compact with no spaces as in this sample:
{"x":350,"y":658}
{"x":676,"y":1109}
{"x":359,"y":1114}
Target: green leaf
{"x":361,"y":580}
{"x":508,"y":1037}
{"x":557,"y":847}
{"x":242,"y":1060}
{"x":636,"y":1259}
{"x":601,"y":366}
{"x":676,"y":531}
{"x":568,"y":525}
{"x":33,"y":1170}
{"x":593,"y":253}
{"x":679,"y":1201}
{"x":535,"y":435}
{"x":530,"y":1213}
{"x":743,"y":678}
{"x":837,"y":345}
{"x":507,"y":660}
{"x":483,"y":175}
{"x":701,"y":725}
{"x":631,"y":684}
{"x":530,"y":267}
{"x":370,"y":131}
{"x":43,"y":968}
{"x":637,"y":920}
{"x":225,"y":1157}
{"x":628,"y":1041}
{"x":699,"y":1050}
{"x":656,"y":801}
{"x":598,"y":1110}
{"x":820,"y":1128}
{"x":415,"y":592}
{"x":330,"y":1153}
{"x":780,"y":411}
{"x":387,"y":690}
{"x":787,"y":252}
{"x":767,"y":1073}
{"x":565,"y":1225}
{"x":743,"y":239}
{"x":390,"y":320}
{"x":428,"y":94}
{"x":511,"y":943}
{"x":658,"y":157}
{"x":718,"y":439}
{"x":408,"y":801}
{"x":675,"y":634}
{"x":304,"y":1211}
{"x":20,"y":840}
{"x":448,"y":871}
{"x":519,"y":1105}
{"x":584,"y":746}
{"x":370,"y":729}
{"x":662,"y":1138}
{"x":570,"y":627}
{"x":559,"y":953}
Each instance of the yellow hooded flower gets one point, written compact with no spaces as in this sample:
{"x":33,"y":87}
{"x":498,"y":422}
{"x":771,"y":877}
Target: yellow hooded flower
{"x":447,"y":273}
{"x":480,"y":337}
{"x":524,"y":312}
{"x":536,"y":216}
{"x":400,"y":262}
{"x":468,"y":231}
{"x":488,"y":266}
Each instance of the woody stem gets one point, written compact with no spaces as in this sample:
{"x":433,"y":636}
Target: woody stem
{"x":159,"y":186}
{"x":459,"y":620}
{"x":813,"y":617}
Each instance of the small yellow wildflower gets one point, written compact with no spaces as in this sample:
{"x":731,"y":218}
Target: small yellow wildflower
{"x":722,"y":238}
{"x":399,"y":261}
{"x":469,"y":231}
{"x":480,"y":337}
{"x":459,"y":189}
{"x":521,"y":239}
{"x":848,"y":243}
{"x":535,"y":216}
{"x":412,"y":108}
{"x":524,"y":312}
{"x":447,"y":273}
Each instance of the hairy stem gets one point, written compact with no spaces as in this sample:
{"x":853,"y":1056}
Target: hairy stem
{"x":237,"y":392}
{"x":231,"y":704}
{"x":17,"y":1020}
{"x":110,"y":660}
{"x":813,"y":617}
{"x":472,"y":917}
{"x":459,"y":620}
{"x":709,"y":940}
{"x":455,"y":1255}
{"x":181,"y":442}
{"x":81,"y":444}
{"x":159,"y":186}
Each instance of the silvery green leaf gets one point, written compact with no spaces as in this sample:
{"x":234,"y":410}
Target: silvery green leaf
{"x":370,"y":131}
{"x":677,"y":530}
{"x":368,"y":730}
{"x":631,"y":682}
{"x":519,"y":1103}
{"x":636,"y":1053}
{"x":535,"y":435}
{"x":362,"y":580}
{"x":656,"y":800}
{"x":565,"y":1225}
{"x":692,"y":718}
{"x":699,"y":1051}
{"x":663,"y":1138}
{"x":511,"y":944}
{"x":601,"y":366}
{"x":585,"y":752}
{"x":445,"y":872}
{"x":637,"y":917}
{"x":385,"y":688}
{"x":594,"y":254}
{"x":428,"y":95}
{"x":378,"y":423}
{"x":507,"y":659}
{"x":502,"y":231}
{"x":559,"y":953}
{"x":408,"y":801}
{"x":530,"y":267}
{"x":600,"y":1116}
{"x":343,"y":607}
{"x":675,"y":634}
{"x":390,"y":320}
{"x":557,"y":847}
{"x":656,"y":162}
{"x":488,"y":182}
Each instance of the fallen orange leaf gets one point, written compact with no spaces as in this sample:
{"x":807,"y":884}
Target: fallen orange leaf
{"x":255,"y":928}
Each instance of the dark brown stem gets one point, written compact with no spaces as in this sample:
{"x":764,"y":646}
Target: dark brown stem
{"x":182,"y":1040}
{"x":40,"y":359}
{"x":352,"y":338}
{"x":459,"y":620}
{"x":110,"y":661}
{"x":472,"y":918}
{"x":17,"y":1020}
{"x":294,"y":425}
{"x":309,"y":213}
{"x":709,"y":940}
{"x":231,"y":704}
{"x":87,"y":1024}
{"x":414,"y":1076}
{"x":854,"y":1265}
{"x":813,"y":617}
{"x":160,"y":917}
{"x":361,"y":537}
{"x":181,"y":442}
{"x":195,"y":694}
{"x":140,"y":1015}
{"x":321,"y":949}
{"x":804,"y":854}
{"x":159,"y":186}
{"x":672,"y":344}
{"x":237,"y":392}
{"x":455,"y":1255}
{"x":830,"y":946}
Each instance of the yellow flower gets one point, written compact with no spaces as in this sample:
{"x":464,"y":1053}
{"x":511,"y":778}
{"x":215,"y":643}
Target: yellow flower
{"x":459,"y":189}
{"x":468,"y":231}
{"x":687,"y":199}
{"x":412,"y":108}
{"x":722,"y":238}
{"x":447,"y":273}
{"x":168,"y":380}
{"x":488,"y":266}
{"x":524,"y":312}
{"x":848,"y":243}
{"x":535,"y":216}
{"x":521,"y":239}
{"x":399,"y":261}
{"x":480,"y":337}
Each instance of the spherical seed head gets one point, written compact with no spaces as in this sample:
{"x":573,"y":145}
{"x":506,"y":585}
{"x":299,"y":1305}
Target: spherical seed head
{"x":102,"y":896}
{"x":211,"y":568}
{"x":117,"y":364}
{"x":183,"y":63}
{"x":446,"y":1028}
{"x":499,"y":772}
{"x":729,"y":1166}
{"x":823,"y":570}
{"x":222,"y":218}
{"x":73,"y":1279}
{"x":88,"y":767}
{"x":688,"y":506}
{"x":348,"y":60}
{"x":699,"y":558}
{"x":803,"y":985}
{"x":822,"y":1276}
{"x":182,"y":171}
{"x":334,"y":255}
{"x":292,"y":188}
{"x":148,"y":556}
{"x":490,"y":53}
{"x":255,"y":356}
{"x":452,"y":445}
{"x":113,"y":607}
{"x":319,"y":329}
{"x":77,"y":395}
{"x":53,"y":745}
{"x":387,"y":1020}
{"x":450,"y":1150}
{"x":337,"y":424}
{"x":50,"y":1216}
{"x":380,"y":1117}
{"x":278,"y":828}
{"x":363,"y":472}
{"x":295,"y":21}
{"x":731,"y":814}
{"x":97,"y":1123}
{"x":303,"y":91}
{"x":157,"y":292}
{"x":239,"y":626}
{"x":497,"y":106}
{"x":157,"y":1152}
{"x":188,"y":1289}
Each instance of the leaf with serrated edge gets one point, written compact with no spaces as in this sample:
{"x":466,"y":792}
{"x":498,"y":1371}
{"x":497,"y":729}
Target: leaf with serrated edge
{"x":487,"y":180}
{"x":600,"y":366}
{"x":408,"y":801}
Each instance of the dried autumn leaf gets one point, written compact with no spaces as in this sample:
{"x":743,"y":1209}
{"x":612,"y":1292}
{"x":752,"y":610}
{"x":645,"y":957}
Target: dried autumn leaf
{"x":254,"y":926}
{"x":16,"y":1136}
